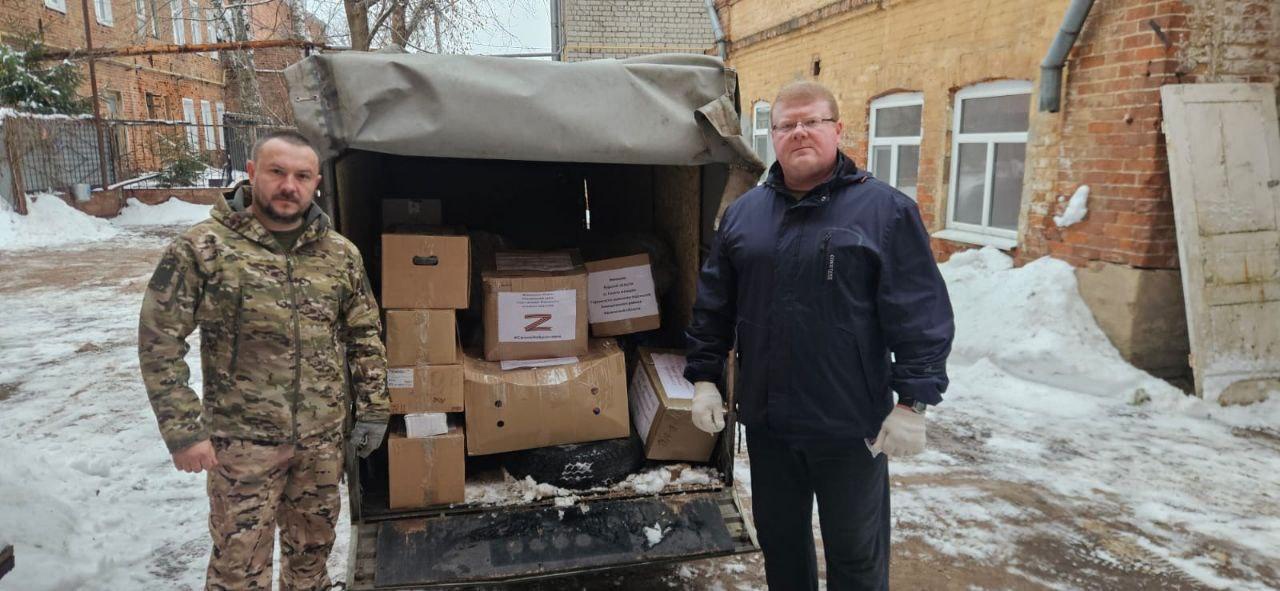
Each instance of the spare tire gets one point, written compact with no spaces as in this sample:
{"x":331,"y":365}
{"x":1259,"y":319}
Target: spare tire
{"x":578,"y":465}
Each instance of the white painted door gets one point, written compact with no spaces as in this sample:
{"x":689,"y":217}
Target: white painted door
{"x":1224,"y":163}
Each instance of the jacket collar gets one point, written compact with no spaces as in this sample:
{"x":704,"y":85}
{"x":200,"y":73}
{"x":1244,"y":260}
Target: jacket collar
{"x":233,"y":212}
{"x":845,"y":173}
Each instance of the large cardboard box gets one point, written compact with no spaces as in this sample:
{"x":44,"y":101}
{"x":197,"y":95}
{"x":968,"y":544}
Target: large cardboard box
{"x":426,"y":471}
{"x":543,"y":406}
{"x":416,"y":337}
{"x":535,"y":306}
{"x":661,"y":406}
{"x":425,"y":388}
{"x":421,"y":271}
{"x":621,"y":298}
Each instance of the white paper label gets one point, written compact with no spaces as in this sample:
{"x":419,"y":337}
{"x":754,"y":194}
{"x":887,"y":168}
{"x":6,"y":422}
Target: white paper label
{"x":400,"y":377}
{"x":426,"y":424}
{"x":519,"y":363}
{"x":644,"y":403}
{"x":534,"y":261}
{"x":621,"y":294}
{"x":670,"y":369}
{"x":537,"y":316}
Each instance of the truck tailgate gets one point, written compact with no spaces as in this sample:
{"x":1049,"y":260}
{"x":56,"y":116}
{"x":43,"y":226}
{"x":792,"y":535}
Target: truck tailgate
{"x":529,"y":543}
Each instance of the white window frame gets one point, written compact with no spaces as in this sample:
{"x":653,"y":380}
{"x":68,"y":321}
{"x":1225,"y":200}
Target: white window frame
{"x":973,"y":233}
{"x":206,"y":115}
{"x":102,"y":12}
{"x":197,"y":28}
{"x":211,"y":27}
{"x":767,"y":132}
{"x":58,"y":5}
{"x":189,"y":117}
{"x":220,"y":110}
{"x":901,"y":99}
{"x":179,"y":22}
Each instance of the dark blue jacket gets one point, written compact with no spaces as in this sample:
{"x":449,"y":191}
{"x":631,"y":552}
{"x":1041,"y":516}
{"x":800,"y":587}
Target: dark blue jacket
{"x":819,"y":291}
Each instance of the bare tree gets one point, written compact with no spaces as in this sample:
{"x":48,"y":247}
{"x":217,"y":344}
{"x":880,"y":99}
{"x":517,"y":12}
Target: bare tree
{"x":439,"y":26}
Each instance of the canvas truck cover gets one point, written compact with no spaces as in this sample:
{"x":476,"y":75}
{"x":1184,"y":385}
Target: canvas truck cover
{"x":669,"y":109}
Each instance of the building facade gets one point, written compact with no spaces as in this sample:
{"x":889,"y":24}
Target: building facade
{"x":598,"y":29}
{"x":939,"y":97}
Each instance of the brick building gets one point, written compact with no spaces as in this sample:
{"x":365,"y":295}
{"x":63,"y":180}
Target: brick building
{"x":175,"y":87}
{"x":939,"y":98}
{"x":597,"y":29}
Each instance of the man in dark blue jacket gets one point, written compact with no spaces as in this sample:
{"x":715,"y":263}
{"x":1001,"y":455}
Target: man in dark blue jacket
{"x":825,"y":277}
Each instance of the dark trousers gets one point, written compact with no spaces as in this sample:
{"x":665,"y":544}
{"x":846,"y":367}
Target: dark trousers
{"x":853,"y":510}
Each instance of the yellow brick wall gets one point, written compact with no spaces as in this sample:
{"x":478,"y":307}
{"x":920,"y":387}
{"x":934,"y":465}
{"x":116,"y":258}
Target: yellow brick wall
{"x":910,"y":45}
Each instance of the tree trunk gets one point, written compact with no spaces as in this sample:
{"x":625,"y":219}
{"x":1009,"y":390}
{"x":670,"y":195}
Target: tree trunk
{"x":358,"y":24}
{"x":399,"y":25}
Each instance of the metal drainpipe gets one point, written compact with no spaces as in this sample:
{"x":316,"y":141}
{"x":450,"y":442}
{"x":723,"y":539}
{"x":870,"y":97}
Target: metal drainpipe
{"x":715,"y":28}
{"x":555,"y":30}
{"x":1051,"y":67}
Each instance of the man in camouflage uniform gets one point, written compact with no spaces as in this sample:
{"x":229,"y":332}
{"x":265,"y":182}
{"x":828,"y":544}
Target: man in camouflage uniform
{"x":278,"y":297}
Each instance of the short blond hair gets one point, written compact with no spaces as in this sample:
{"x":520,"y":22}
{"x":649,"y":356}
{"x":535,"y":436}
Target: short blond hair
{"x":805,"y":91}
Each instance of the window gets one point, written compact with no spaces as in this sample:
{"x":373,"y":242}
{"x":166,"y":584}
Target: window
{"x":179,"y":26}
{"x":221,"y":111}
{"x":156,"y":107}
{"x":206,"y":115}
{"x":189,"y":115}
{"x":111,"y":103}
{"x":988,"y":157}
{"x":895,"y":140}
{"x":146,"y":11}
{"x":58,"y":5}
{"x":210,"y":21}
{"x":761,"y":142}
{"x":197,"y":29}
{"x":102,"y":8}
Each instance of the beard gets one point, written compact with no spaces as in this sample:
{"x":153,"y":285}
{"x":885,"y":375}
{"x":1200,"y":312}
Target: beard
{"x":268,"y":209}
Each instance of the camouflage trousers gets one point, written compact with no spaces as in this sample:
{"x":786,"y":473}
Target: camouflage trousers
{"x":255,"y":487}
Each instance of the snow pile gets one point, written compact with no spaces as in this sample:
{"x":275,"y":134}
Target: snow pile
{"x":173,"y":212}
{"x":654,"y":535}
{"x":656,"y":480}
{"x":1076,"y":208}
{"x":50,"y":222}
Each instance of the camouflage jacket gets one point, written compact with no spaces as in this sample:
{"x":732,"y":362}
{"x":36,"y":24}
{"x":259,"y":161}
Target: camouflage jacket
{"x":273,"y":330}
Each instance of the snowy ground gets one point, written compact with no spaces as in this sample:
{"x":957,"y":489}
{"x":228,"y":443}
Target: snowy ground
{"x":1052,"y":464}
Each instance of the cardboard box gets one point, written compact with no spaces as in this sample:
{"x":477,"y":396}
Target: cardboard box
{"x":544,"y":406}
{"x":421,"y":271}
{"x":661,"y":403}
{"x":621,"y":298}
{"x":425,"y":424}
{"x":425,"y":388}
{"x":417,"y":337}
{"x":535,"y":306}
{"x":426,"y":471}
{"x":418,"y":212}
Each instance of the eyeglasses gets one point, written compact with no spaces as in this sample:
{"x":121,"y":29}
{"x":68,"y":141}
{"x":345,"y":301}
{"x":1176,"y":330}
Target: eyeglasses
{"x":785,"y":128}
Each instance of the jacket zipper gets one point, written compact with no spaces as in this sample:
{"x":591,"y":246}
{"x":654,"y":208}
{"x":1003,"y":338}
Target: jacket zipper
{"x":828,"y":257}
{"x":297,"y":346}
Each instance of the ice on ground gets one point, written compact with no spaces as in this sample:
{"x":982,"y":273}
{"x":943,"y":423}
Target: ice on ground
{"x":51,"y":222}
{"x":170,"y":213}
{"x":1076,"y":209}
{"x":655,"y":534}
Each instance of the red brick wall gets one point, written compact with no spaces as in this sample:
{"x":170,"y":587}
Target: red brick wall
{"x":1108,"y":135}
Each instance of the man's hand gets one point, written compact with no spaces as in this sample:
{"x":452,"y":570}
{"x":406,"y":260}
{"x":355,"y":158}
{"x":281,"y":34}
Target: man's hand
{"x":902,"y":434}
{"x":708,"y":407}
{"x":195,"y":457}
{"x":366,"y":436}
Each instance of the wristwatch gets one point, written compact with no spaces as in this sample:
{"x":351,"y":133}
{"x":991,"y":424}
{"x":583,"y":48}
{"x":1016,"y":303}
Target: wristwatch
{"x":918,"y":407}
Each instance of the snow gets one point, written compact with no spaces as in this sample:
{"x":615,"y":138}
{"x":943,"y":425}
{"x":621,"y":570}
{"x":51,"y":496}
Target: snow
{"x":7,"y":112}
{"x":1076,"y":208}
{"x":50,"y":222}
{"x":653,"y":535}
{"x":170,"y":213}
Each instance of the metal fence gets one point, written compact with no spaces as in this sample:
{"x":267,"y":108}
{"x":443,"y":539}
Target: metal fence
{"x":63,"y":155}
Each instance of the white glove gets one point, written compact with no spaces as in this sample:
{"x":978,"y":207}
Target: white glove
{"x":708,"y":407}
{"x":901,"y":435}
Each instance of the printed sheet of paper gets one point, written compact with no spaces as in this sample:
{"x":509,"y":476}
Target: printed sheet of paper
{"x":400,"y":377}
{"x":519,"y":363}
{"x":671,"y":372}
{"x":621,"y":294}
{"x":644,"y":404}
{"x":537,"y":316}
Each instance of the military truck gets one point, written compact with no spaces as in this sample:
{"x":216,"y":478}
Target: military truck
{"x":551,"y":154}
